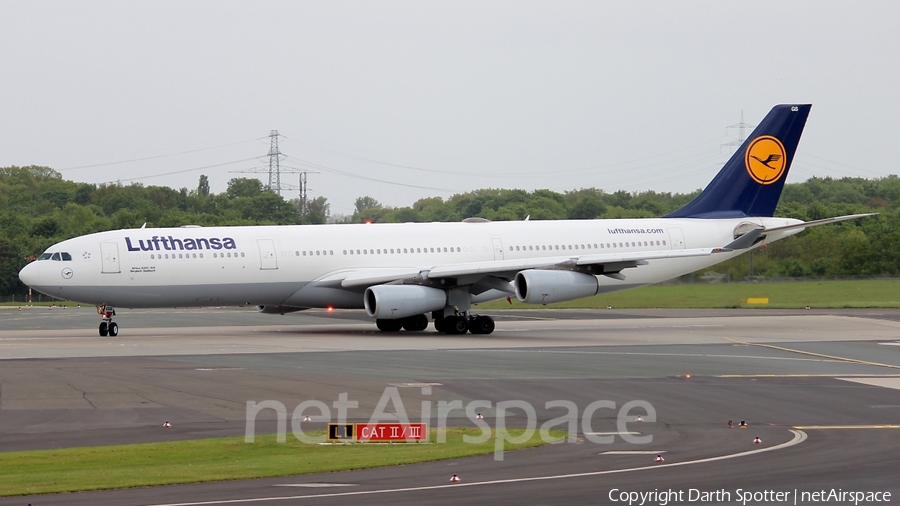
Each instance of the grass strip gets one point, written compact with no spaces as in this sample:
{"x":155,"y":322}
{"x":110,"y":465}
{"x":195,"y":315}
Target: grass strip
{"x":872,"y":293}
{"x":204,"y":460}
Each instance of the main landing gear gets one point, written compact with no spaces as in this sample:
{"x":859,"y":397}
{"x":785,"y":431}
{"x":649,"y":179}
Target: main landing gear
{"x":455,"y":324}
{"x":107,"y":326}
{"x":460,"y":324}
{"x":411,"y":323}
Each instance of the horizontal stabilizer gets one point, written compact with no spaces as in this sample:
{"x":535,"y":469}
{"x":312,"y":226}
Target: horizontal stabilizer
{"x":744,"y":241}
{"x":823,"y":221}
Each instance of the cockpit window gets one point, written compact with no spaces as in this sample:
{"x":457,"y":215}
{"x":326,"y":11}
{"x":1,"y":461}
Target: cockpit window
{"x":55,"y":257}
{"x":66,"y":257}
{"x":45,"y":256}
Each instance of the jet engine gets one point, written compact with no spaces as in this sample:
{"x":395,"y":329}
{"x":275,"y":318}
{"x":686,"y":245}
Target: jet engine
{"x":544,"y":287}
{"x":399,"y":301}
{"x":279,"y":309}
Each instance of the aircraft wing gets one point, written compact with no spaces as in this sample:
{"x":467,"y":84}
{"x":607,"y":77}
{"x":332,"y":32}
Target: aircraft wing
{"x":607,"y":264}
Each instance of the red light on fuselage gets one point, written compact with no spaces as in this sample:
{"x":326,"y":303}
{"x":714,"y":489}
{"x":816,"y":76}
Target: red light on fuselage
{"x":329,"y":309}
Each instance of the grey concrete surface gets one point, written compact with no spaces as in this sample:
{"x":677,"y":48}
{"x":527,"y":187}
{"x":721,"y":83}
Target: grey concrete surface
{"x":778,"y":371}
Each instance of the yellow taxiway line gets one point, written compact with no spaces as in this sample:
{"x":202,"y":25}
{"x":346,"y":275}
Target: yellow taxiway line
{"x":820,"y":355}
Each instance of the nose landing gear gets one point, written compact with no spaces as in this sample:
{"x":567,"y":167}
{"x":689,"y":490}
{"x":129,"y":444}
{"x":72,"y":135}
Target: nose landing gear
{"x":107,"y":326}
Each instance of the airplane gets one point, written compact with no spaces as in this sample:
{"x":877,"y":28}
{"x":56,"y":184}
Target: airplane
{"x":401,"y":272}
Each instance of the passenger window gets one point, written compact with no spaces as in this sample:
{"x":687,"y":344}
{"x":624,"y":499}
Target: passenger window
{"x":55,"y":257}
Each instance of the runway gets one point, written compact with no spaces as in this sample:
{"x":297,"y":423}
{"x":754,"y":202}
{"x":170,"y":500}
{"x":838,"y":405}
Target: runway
{"x":819,"y":388}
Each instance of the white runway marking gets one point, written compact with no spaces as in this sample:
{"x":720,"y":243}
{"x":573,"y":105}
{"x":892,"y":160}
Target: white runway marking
{"x":799,"y":437}
{"x":611,"y":433}
{"x":632,"y":452}
{"x":315,"y":485}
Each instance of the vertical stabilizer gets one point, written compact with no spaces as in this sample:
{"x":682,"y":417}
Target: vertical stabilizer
{"x":750,"y":183}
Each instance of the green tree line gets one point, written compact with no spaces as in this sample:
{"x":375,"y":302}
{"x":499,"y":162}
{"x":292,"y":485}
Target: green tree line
{"x":38,"y":208}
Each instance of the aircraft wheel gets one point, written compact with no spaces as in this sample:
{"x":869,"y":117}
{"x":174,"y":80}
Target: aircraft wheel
{"x":415,"y":323}
{"x":482,"y":325}
{"x":386,"y":325}
{"x":440,"y":324}
{"x":113,"y":329}
{"x":104,"y":329}
{"x":456,"y":325}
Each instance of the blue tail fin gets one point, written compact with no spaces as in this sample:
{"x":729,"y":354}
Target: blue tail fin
{"x":751,"y":182}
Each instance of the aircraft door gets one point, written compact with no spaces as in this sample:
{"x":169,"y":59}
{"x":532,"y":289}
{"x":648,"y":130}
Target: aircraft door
{"x":267,"y":258}
{"x":498,"y":248}
{"x":676,"y":238}
{"x":109,"y":254}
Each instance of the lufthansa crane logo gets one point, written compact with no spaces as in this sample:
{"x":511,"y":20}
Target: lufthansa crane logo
{"x":765,"y":159}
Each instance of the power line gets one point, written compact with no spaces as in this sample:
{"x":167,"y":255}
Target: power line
{"x":185,"y":170}
{"x":105,"y":164}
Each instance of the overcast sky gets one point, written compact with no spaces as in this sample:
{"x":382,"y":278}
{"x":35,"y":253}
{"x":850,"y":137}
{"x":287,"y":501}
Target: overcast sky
{"x":404,"y":100}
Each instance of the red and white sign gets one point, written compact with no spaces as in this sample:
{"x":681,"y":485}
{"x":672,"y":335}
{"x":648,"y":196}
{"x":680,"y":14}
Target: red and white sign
{"x":391,"y":432}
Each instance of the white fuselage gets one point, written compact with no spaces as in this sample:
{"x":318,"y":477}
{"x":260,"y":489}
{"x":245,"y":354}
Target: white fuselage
{"x":197,"y":266}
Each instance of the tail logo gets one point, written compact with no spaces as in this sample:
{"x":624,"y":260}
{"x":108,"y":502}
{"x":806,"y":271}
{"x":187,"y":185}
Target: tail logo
{"x":765,"y":159}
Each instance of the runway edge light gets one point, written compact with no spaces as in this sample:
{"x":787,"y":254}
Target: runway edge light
{"x":454,"y":479}
{"x":659,"y":458}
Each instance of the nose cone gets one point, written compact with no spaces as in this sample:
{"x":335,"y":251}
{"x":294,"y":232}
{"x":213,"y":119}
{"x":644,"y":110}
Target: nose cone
{"x":30,"y":274}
